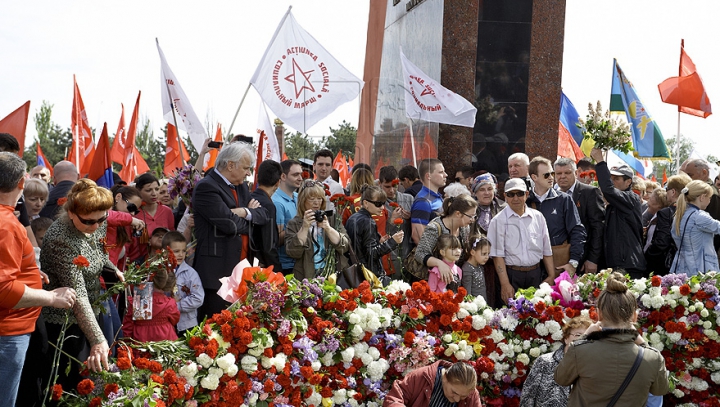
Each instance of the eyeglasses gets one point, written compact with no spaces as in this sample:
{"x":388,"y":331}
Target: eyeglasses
{"x":512,"y":194}
{"x":376,"y":203}
{"x":469,"y":216}
{"x":131,"y":207}
{"x":549,"y":174}
{"x":91,"y":222}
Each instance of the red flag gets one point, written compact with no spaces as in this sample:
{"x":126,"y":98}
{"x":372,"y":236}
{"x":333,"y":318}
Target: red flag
{"x":214,"y":151}
{"x":259,"y":158}
{"x":653,"y":178}
{"x":567,"y":146}
{"x":686,"y":90}
{"x":42,"y":160}
{"x":664,"y":178}
{"x":131,"y":156}
{"x":101,"y":165}
{"x":341,"y":166}
{"x":172,"y":156}
{"x":351,"y":164}
{"x":285,"y":157}
{"x":428,"y":148}
{"x":83,"y":145}
{"x":118,"y":148}
{"x":407,"y":150}
{"x":15,"y":124}
{"x":379,"y":165}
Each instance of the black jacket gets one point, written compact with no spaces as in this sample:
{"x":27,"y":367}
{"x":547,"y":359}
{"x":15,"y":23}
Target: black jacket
{"x":623,"y":224}
{"x":218,"y":230}
{"x":563,"y":221}
{"x":59,"y":191}
{"x":264,"y":238}
{"x":365,"y":241}
{"x":591,"y":209}
{"x":662,"y":242}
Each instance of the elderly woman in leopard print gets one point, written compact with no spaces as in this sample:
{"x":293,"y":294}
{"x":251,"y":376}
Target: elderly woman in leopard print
{"x":80,"y":231}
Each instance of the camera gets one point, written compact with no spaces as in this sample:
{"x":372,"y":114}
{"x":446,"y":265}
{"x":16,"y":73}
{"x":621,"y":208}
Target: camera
{"x":319,"y":216}
{"x":137,"y":233}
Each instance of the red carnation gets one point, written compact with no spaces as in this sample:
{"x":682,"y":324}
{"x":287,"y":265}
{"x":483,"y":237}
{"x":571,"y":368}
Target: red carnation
{"x":398,"y":221}
{"x":393,"y":204}
{"x":95,"y":402}
{"x":57,"y":392}
{"x":123,"y":363}
{"x":81,"y":261}
{"x":656,"y":281}
{"x":395,"y":182}
{"x":85,"y":387}
{"x":684,"y":289}
{"x":61,"y":201}
{"x":111,"y":388}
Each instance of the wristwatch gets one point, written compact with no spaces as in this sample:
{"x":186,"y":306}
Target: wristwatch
{"x":573,"y":263}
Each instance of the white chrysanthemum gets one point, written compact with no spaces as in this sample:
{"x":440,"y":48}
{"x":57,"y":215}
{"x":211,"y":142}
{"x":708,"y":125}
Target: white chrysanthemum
{"x":463,"y":355}
{"x":327,"y":359}
{"x":249,"y":363}
{"x":470,"y":307}
{"x":253,"y":399}
{"x":232,"y":370}
{"x":658,"y":302}
{"x":541,"y":329}
{"x":639,"y":285}
{"x":374,"y":352}
{"x":497,"y":336}
{"x":225,"y":361}
{"x":360,"y":348}
{"x":339,"y":396}
{"x":557,"y":335}
{"x":526,"y":344}
{"x":715,"y":377}
{"x":366,"y":359}
{"x":210,"y":382}
{"x":696,"y":362}
{"x":553,"y":326}
{"x":478,"y":322}
{"x":397,"y":286}
{"x":279,"y":361}
{"x":357,"y":331}
{"x":256,"y":351}
{"x":348,"y":355}
{"x":188,"y":371}
{"x":535,"y":352}
{"x":480,"y":302}
{"x":674,"y":336}
{"x":192,"y":381}
{"x":314,"y":399}
{"x":204,"y":360}
{"x":462,"y":313}
{"x":215,"y":371}
{"x":376,"y":370}
{"x":678,"y":393}
{"x":316,"y":365}
{"x":704,"y":313}
{"x":354,"y":318}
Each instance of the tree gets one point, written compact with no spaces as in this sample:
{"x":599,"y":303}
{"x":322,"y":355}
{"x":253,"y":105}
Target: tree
{"x":55,"y":141}
{"x":686,"y":147}
{"x":151,"y":149}
{"x":342,"y":138}
{"x":300,"y":146}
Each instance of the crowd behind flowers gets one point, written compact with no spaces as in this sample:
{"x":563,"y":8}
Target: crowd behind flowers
{"x":289,"y":342}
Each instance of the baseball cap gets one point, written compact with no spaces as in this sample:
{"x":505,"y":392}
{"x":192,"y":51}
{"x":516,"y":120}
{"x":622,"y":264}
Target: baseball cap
{"x":159,"y":231}
{"x":623,"y":170}
{"x":481,"y":180}
{"x":515,"y":184}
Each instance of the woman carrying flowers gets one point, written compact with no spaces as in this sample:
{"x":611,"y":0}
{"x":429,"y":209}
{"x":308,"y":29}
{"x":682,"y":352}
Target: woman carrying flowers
{"x":442,"y":384}
{"x":540,"y":389}
{"x":693,"y":231}
{"x":597,"y":365}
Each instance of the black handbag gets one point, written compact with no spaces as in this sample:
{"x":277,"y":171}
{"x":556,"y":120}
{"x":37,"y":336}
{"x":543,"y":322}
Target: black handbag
{"x":353,"y":275}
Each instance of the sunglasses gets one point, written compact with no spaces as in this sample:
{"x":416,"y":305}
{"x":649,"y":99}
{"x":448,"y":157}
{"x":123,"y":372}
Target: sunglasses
{"x":513,"y":194}
{"x":549,"y":174}
{"x":91,"y":222}
{"x":458,"y":179}
{"x":309,"y":183}
{"x":376,"y":203}
{"x":131,"y":207}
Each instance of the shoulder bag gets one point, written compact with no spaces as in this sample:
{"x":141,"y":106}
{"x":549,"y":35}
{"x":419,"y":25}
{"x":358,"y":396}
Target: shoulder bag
{"x":416,"y":268}
{"x":352,"y":276}
{"x":628,"y":378}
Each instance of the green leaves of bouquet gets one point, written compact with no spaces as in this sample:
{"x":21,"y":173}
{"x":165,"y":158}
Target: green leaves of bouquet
{"x":609,"y":133}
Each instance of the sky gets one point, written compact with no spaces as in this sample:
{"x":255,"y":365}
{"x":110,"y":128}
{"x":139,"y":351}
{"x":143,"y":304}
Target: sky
{"x":214,"y":47}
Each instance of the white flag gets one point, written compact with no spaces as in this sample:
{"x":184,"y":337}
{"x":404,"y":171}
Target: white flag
{"x":186,"y":118}
{"x":299,"y":80}
{"x":426,"y":99}
{"x":271,"y":151}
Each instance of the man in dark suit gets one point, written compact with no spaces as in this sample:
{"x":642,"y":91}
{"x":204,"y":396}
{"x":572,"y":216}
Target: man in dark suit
{"x":223,"y":211}
{"x":264,"y":239}
{"x":65,"y":176}
{"x":591,"y":209}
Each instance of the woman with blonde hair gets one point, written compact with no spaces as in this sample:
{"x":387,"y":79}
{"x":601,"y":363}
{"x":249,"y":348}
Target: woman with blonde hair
{"x":693,"y":231}
{"x":309,"y":234}
{"x":612,"y":365}
{"x":79,"y":233}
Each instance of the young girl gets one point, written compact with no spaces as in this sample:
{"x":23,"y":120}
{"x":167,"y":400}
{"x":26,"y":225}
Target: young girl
{"x":449,"y":250}
{"x":165,"y":314}
{"x":472,"y":271}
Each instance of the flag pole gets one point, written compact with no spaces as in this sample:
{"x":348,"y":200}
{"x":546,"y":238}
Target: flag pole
{"x":177,"y":129}
{"x":412,"y":144}
{"x":272,"y":40}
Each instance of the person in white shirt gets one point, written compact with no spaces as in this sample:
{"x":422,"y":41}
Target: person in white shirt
{"x":519,"y":242}
{"x":322,"y":167}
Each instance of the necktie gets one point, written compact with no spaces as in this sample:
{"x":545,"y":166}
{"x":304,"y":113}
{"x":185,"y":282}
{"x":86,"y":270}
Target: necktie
{"x":237,"y":200}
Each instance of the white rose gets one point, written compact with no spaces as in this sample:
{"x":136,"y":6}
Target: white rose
{"x":231,"y":370}
{"x":678,"y":393}
{"x":316,"y":365}
{"x":339,"y":396}
{"x":447,"y":338}
{"x":279,"y":361}
{"x":314,"y":399}
{"x":210,"y":382}
{"x":534,"y":352}
{"x":215,"y":371}
{"x":704,"y":313}
{"x":204,"y":360}
{"x":354,"y":319}
{"x":461,"y":355}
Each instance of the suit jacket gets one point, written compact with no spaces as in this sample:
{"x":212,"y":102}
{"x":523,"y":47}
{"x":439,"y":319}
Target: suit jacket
{"x":218,"y":230}
{"x":591,"y":209}
{"x":264,"y":239}
{"x":60,"y":191}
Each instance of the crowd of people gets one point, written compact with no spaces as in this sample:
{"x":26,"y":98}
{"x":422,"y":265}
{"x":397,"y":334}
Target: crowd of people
{"x":490,"y":237}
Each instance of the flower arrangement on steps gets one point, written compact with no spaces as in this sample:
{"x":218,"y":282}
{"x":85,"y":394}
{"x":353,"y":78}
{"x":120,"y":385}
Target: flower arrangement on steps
{"x":305,"y":343}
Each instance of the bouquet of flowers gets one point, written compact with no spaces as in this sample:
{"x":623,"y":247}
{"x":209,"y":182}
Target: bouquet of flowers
{"x":182,"y":183}
{"x":609,"y":133}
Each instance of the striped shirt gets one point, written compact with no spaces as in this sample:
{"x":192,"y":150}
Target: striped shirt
{"x":438,"y":398}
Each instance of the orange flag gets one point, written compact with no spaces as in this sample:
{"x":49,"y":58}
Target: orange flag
{"x":83,"y":146}
{"x":42,"y":160}
{"x":15,"y":124}
{"x":285,"y":157}
{"x":341,"y":166}
{"x":664,"y":178}
{"x":101,"y":165}
{"x":131,"y":156}
{"x":351,"y":164}
{"x":428,"y":148}
{"x":214,"y":151}
{"x":653,"y":178}
{"x":118,"y":148}
{"x":686,"y":90}
{"x":172,"y":156}
{"x":379,"y":165}
{"x":567,"y":146}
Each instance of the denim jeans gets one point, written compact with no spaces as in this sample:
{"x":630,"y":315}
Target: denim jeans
{"x":12,"y":358}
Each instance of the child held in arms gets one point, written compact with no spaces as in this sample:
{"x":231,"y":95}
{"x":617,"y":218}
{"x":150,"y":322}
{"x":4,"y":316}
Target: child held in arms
{"x":189,"y":294}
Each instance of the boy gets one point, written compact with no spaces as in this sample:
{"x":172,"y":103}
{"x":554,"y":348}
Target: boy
{"x":39,"y":227}
{"x":189,"y":294}
{"x":156,"y":239}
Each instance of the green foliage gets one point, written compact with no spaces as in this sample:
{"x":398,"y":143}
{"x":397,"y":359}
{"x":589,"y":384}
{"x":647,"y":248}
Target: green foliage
{"x":151,"y":149}
{"x":299,"y":146}
{"x":686,"y":147}
{"x":54,"y":141}
{"x":342,"y":138}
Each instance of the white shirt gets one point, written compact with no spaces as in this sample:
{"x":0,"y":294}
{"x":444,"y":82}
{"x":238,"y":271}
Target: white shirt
{"x":521,"y":240}
{"x":542,"y":197}
{"x":335,"y":188}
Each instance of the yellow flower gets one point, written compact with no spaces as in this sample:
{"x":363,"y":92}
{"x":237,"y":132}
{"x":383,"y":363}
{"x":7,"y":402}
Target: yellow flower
{"x":327,"y":402}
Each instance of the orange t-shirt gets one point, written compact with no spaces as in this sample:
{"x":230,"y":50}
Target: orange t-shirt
{"x":17,"y":270}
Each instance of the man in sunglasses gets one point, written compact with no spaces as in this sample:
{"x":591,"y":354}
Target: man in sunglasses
{"x":519,"y":242}
{"x":567,"y":233}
